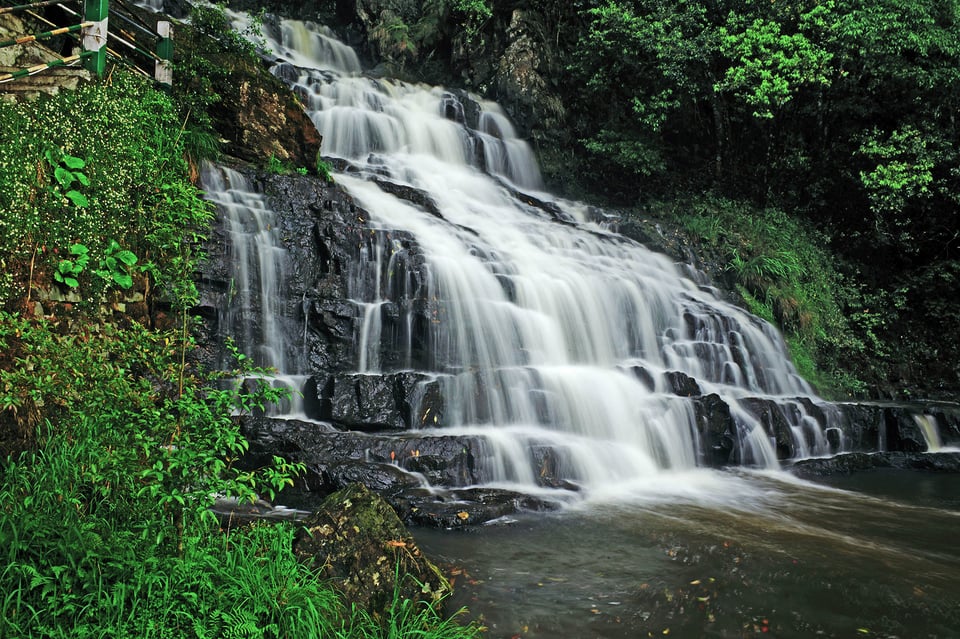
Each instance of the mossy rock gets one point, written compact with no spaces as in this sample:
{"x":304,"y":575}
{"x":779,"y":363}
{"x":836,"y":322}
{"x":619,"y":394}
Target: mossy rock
{"x":360,"y":544}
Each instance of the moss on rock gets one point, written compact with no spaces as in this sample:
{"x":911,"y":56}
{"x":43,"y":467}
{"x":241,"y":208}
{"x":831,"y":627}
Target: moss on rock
{"x":360,"y":544}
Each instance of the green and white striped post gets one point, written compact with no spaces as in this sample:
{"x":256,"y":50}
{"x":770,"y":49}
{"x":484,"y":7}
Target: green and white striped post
{"x":95,"y":36}
{"x":163,"y":69}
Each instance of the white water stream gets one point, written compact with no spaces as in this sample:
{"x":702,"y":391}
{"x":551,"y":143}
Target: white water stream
{"x":548,"y":332}
{"x":547,"y":329}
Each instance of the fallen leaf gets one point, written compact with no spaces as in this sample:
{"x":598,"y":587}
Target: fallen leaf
{"x":463,"y":515}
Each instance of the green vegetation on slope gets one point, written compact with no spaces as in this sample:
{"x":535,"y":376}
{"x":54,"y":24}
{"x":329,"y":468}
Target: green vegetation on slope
{"x":784,"y":275}
{"x":112,"y":443}
{"x":839,"y":113}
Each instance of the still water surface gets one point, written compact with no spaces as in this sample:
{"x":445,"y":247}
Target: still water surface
{"x":722,"y":554}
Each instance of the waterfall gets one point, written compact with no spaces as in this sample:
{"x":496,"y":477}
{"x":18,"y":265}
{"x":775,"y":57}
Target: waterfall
{"x":253,"y":317}
{"x":928,"y":427}
{"x":553,"y":340}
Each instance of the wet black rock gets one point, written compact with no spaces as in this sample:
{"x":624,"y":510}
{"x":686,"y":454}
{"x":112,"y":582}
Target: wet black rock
{"x":717,"y":429}
{"x":397,"y":467}
{"x":901,"y":426}
{"x":468,"y":507}
{"x":849,"y":463}
{"x":682,"y":384}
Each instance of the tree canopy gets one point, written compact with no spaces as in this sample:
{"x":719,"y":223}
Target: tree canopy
{"x":840,"y":111}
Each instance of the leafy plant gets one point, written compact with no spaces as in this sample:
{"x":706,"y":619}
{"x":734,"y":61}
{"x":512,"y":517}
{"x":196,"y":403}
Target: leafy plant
{"x":115,"y":265}
{"x":768,"y":65}
{"x":275,"y":165}
{"x":324,"y":169}
{"x":69,"y":270}
{"x":474,"y":13}
{"x":67,"y":171}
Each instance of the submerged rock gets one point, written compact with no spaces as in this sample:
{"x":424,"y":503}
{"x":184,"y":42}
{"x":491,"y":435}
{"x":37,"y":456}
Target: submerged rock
{"x":469,"y":507}
{"x":850,"y":463}
{"x":358,"y":542}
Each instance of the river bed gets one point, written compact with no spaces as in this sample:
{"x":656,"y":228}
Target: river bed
{"x":721,"y":554}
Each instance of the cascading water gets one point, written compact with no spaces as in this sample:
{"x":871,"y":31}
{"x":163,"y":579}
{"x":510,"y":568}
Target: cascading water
{"x":471,"y":331}
{"x":544,"y":330}
{"x":253,"y":317}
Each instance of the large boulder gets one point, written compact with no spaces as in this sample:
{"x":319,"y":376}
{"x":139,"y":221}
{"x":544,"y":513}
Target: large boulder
{"x":357,"y":542}
{"x":266,"y":120}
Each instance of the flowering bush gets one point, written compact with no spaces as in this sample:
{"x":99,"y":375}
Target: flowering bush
{"x":122,"y":138}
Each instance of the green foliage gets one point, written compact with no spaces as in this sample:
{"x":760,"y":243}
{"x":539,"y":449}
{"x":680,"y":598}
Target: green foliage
{"x":66,"y":171}
{"x":276,"y":166}
{"x":209,"y":49}
{"x":112,"y":447}
{"x":105,"y":527}
{"x":768,"y":65}
{"x":392,"y":35}
{"x":641,"y":157}
{"x":116,"y":264}
{"x":841,"y":112}
{"x":636,"y":65}
{"x":69,"y":270}
{"x":472,"y":14}
{"x":901,"y":174}
{"x":324,"y":169}
{"x":212,"y":21}
{"x":130,"y":138}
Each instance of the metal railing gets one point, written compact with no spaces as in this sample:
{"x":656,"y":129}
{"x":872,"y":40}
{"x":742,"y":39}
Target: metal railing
{"x":94,"y":32}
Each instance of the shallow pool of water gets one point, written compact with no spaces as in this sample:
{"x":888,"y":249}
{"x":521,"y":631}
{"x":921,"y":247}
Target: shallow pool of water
{"x":721,"y":554}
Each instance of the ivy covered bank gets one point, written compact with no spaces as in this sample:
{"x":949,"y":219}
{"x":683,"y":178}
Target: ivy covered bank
{"x":114,"y":443}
